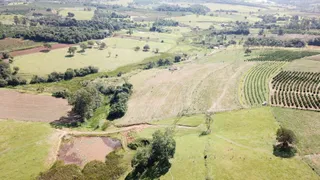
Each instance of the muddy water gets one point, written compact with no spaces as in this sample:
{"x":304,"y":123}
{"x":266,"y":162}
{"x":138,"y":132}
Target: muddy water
{"x":81,"y":150}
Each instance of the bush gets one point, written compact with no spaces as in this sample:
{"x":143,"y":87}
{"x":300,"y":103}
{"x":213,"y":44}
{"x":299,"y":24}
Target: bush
{"x":55,"y":77}
{"x":64,"y":94}
{"x":177,"y":59}
{"x":37,"y":79}
{"x":15,"y":81}
{"x":141,"y":142}
{"x":3,"y":83}
{"x":69,"y":74}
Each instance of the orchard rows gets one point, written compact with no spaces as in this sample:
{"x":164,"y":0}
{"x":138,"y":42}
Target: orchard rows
{"x":296,"y":90}
{"x":255,"y":87}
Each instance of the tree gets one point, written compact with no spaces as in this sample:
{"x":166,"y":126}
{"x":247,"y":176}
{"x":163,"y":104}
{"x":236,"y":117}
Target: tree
{"x":16,"y":20}
{"x":48,"y":46}
{"x":261,"y":32}
{"x":130,"y":32}
{"x":286,"y":139}
{"x":83,"y":47}
{"x":72,"y":50}
{"x":103,"y":45}
{"x":69,"y":74}
{"x":156,"y":50}
{"x":5,"y":55}
{"x":90,"y":43}
{"x":280,"y":32}
{"x":177,"y":59}
{"x":85,"y":101}
{"x":16,"y":70}
{"x":248,"y":51}
{"x":146,"y":48}
{"x":152,"y":161}
{"x":70,"y":14}
{"x":137,"y":48}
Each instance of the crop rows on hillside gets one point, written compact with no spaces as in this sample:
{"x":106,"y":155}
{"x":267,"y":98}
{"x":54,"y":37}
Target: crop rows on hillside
{"x":255,"y":87}
{"x":296,"y":90}
{"x":283,"y":55}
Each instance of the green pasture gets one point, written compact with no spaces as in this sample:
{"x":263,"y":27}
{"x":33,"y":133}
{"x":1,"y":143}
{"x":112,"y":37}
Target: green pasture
{"x":24,"y":148}
{"x":240,"y":146}
{"x":8,"y":19}
{"x":58,"y":60}
{"x":79,"y":13}
{"x":240,"y":8}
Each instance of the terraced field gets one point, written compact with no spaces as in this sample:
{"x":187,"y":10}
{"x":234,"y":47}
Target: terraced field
{"x":254,"y":89}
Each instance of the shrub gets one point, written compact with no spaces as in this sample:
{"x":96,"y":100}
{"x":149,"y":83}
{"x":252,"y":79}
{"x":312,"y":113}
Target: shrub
{"x":146,"y":48}
{"x":177,"y":59}
{"x":69,"y":74}
{"x":64,"y":94}
{"x":3,"y":83}
{"x":15,"y":81}
{"x":37,"y":79}
{"x":141,"y":142}
{"x":55,"y":77}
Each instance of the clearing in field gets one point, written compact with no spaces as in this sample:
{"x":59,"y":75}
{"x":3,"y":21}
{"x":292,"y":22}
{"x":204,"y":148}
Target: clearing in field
{"x":81,"y":150}
{"x":29,"y":107}
{"x":121,"y":53}
{"x":193,"y":88}
{"x":24,"y":149}
{"x":79,"y":13}
{"x":240,"y":146}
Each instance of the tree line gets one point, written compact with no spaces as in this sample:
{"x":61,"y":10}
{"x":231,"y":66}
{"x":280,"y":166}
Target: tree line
{"x":196,"y":9}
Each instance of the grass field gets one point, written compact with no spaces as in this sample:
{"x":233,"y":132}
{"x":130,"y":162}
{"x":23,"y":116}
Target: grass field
{"x":239,"y":147}
{"x":205,"y":22}
{"x":57,"y":60}
{"x":8,"y":19}
{"x":305,"y":65}
{"x":194,"y":88}
{"x":24,"y":149}
{"x":79,"y":13}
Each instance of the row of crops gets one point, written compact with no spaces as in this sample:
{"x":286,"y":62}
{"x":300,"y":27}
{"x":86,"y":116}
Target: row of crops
{"x":283,"y":55}
{"x":255,"y":87}
{"x":296,"y":90}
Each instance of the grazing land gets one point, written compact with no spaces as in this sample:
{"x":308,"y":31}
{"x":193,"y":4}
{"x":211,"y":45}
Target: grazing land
{"x":29,"y":107}
{"x":79,"y":13}
{"x":194,"y":88}
{"x":121,"y":53}
{"x":10,"y":44}
{"x":24,"y":149}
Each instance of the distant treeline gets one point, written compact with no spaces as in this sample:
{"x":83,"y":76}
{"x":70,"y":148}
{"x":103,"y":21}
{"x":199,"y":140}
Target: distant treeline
{"x":197,"y":9}
{"x":298,"y":43}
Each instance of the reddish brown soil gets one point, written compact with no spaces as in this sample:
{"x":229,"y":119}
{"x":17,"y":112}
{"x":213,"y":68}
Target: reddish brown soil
{"x":29,"y":107}
{"x":39,"y":49}
{"x":81,"y":150}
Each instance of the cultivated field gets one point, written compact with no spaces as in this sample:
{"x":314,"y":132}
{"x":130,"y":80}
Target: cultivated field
{"x":29,"y":107}
{"x":194,"y":88}
{"x":10,"y":44}
{"x":255,"y":88}
{"x":24,"y":149}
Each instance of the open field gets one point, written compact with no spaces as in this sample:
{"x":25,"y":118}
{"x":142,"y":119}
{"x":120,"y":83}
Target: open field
{"x":79,"y":13}
{"x":39,"y":49}
{"x":239,"y":147}
{"x":10,"y":44}
{"x":309,"y":64}
{"x":194,"y":88}
{"x":306,"y":126}
{"x":7,"y":19}
{"x":24,"y":149}
{"x":205,"y":22}
{"x":57,"y":60}
{"x":29,"y":107}
{"x":81,"y":150}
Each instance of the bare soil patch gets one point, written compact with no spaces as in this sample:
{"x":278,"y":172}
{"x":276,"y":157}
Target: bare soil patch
{"x":39,"y":49}
{"x":30,"y":107}
{"x":81,"y":150}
